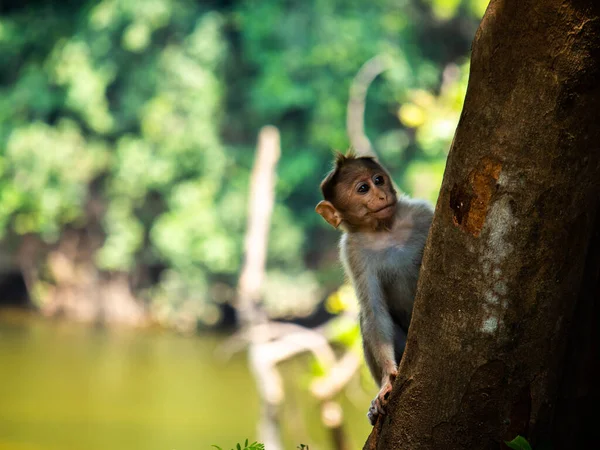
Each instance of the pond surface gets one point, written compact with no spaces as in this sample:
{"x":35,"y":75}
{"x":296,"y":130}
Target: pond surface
{"x":67,"y":386}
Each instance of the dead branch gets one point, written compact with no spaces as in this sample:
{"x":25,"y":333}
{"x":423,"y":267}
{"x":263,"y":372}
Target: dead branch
{"x":262,"y":198}
{"x":355,"y":118}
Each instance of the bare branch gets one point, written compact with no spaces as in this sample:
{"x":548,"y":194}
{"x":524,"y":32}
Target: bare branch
{"x":356,"y":104}
{"x":286,"y":339}
{"x":337,"y":378}
{"x":262,"y":365}
{"x":262,"y":198}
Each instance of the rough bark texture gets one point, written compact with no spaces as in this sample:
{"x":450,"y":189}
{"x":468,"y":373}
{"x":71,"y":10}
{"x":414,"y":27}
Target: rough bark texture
{"x":508,"y":292}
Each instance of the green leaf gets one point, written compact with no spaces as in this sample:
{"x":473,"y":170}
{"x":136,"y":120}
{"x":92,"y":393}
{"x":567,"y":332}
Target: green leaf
{"x":217,"y":447}
{"x":519,"y":443}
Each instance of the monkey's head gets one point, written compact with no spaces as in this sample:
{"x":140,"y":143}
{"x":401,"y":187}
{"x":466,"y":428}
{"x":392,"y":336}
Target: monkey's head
{"x":358,"y":194}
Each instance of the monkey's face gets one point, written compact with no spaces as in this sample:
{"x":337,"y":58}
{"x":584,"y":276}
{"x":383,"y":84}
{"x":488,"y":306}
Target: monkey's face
{"x":366,"y":199}
{"x":361,"y":196}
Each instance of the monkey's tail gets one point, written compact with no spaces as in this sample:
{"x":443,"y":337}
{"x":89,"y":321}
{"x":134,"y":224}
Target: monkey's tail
{"x":355,"y":119}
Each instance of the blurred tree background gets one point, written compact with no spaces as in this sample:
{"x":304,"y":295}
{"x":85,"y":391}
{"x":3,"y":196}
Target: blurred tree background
{"x":128,"y":132}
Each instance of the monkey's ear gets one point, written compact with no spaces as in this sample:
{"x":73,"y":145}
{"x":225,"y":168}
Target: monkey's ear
{"x":329,"y":213}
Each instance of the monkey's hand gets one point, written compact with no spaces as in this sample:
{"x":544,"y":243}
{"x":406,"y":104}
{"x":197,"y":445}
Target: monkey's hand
{"x":378,"y":404}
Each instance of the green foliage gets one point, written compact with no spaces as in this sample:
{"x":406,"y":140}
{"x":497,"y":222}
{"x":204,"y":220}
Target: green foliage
{"x":126,"y":108}
{"x":253,"y":446}
{"x":50,"y":168}
{"x":305,"y":58}
{"x":152,"y":109}
{"x":519,"y":443}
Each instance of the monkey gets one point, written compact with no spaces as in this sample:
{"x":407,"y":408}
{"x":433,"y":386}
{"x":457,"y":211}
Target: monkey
{"x":381,"y":247}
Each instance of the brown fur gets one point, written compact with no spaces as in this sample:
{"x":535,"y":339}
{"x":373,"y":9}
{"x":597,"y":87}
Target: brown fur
{"x":358,"y":210}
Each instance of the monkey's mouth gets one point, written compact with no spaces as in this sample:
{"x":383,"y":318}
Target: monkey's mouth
{"x":385,"y":210}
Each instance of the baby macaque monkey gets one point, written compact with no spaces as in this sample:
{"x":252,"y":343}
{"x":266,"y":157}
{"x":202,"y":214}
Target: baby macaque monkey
{"x":381,"y":250}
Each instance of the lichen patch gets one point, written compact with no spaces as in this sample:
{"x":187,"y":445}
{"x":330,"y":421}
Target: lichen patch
{"x":490,"y":325}
{"x":495,"y":251}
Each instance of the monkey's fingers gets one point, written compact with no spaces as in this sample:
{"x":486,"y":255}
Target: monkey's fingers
{"x":378,"y":404}
{"x":375,"y":411}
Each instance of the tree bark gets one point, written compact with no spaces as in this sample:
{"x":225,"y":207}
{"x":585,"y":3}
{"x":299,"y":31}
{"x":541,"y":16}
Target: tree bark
{"x":509,"y":286}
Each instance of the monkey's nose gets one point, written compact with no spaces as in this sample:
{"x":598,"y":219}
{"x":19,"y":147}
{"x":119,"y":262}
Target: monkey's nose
{"x":381,"y":195}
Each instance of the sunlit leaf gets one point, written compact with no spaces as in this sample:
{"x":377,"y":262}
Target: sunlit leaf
{"x":518,"y":443}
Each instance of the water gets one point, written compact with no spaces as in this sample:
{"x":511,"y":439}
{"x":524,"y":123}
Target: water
{"x":66,"y":386}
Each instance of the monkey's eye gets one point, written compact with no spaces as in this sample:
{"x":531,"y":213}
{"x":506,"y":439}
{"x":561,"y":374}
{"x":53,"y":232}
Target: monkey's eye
{"x":378,"y":180}
{"x":362,"y":188}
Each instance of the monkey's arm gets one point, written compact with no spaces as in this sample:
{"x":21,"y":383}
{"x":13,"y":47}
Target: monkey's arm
{"x":377,"y":327}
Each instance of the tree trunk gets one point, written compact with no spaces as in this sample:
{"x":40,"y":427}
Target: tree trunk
{"x":250,"y":286}
{"x":509,"y":287}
